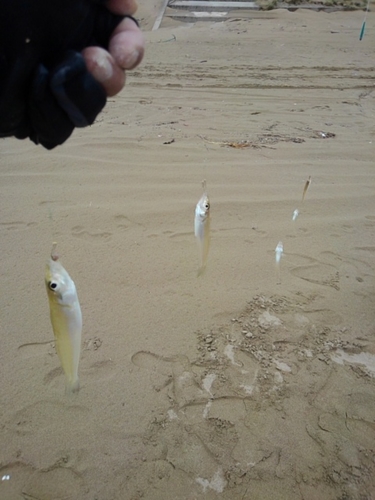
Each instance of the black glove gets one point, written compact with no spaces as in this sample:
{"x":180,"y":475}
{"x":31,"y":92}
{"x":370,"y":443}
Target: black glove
{"x":45,"y":88}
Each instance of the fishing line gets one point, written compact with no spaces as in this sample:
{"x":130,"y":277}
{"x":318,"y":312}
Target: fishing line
{"x":53,"y":226}
{"x":361,"y":35}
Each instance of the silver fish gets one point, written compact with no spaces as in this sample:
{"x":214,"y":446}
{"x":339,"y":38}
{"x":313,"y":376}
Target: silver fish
{"x":295,"y":214}
{"x":279,"y":251}
{"x":202,"y":227}
{"x":66,"y":319}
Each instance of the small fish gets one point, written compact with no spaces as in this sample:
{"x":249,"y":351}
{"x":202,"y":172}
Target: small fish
{"x":295,"y":214}
{"x":279,"y":251}
{"x":307,"y":184}
{"x":202,"y":227}
{"x":66,"y":319}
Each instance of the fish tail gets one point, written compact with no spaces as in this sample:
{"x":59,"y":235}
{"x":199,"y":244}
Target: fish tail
{"x":205,"y":246}
{"x":203,"y":258}
{"x":201,"y":270}
{"x":278,"y":277}
{"x":72,"y":386}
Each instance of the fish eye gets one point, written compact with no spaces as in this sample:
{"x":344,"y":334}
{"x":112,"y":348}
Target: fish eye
{"x":52,"y":285}
{"x":207,"y":205}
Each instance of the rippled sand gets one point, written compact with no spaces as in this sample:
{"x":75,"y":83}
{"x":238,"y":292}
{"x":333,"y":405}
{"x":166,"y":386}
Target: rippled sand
{"x":229,"y":385}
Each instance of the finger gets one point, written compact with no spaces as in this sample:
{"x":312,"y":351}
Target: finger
{"x":122,"y":7}
{"x":127,"y":44}
{"x":104,"y":69}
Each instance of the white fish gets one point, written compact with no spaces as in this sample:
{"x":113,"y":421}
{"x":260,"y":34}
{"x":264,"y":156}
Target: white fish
{"x":66,"y":319}
{"x":295,"y":214}
{"x":279,"y":251}
{"x":202,"y":227}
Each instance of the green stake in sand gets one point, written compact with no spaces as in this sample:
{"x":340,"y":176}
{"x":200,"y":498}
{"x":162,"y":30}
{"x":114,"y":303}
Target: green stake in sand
{"x":361,"y":35}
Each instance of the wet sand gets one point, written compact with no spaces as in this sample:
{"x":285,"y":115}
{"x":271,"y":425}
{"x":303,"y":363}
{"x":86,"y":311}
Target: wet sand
{"x":244,"y":383}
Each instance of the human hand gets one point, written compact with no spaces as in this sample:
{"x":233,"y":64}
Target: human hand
{"x":126,"y":49}
{"x":59,"y":59}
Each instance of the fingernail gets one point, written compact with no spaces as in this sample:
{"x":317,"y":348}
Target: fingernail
{"x":103,"y":69}
{"x":131,"y":60}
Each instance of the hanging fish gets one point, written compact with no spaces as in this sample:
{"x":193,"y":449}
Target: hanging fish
{"x":279,"y":252}
{"x":307,"y":184}
{"x":295,"y":214}
{"x":66,"y":319}
{"x":202,"y":227}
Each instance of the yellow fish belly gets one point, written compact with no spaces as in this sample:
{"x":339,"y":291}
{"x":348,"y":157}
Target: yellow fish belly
{"x":66,"y":320}
{"x":67,"y":326}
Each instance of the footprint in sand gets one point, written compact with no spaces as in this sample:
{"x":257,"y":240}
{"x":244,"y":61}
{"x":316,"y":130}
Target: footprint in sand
{"x":319,"y":274}
{"x":156,"y":363}
{"x":166,"y":370}
{"x":183,"y":235}
{"x":350,"y":268}
{"x":123,"y":222}
{"x":201,"y":431}
{"x":234,"y":412}
{"x":197,"y":436}
{"x":99,"y":371}
{"x":42,"y":416}
{"x":60,"y":483}
{"x":80,"y":232}
{"x":17,"y":225}
{"x":28,"y":483}
{"x":315,"y":271}
{"x":192,"y":384}
{"x":52,"y":375}
{"x":12,"y":487}
{"x":43,"y":349}
{"x":92,"y":344}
